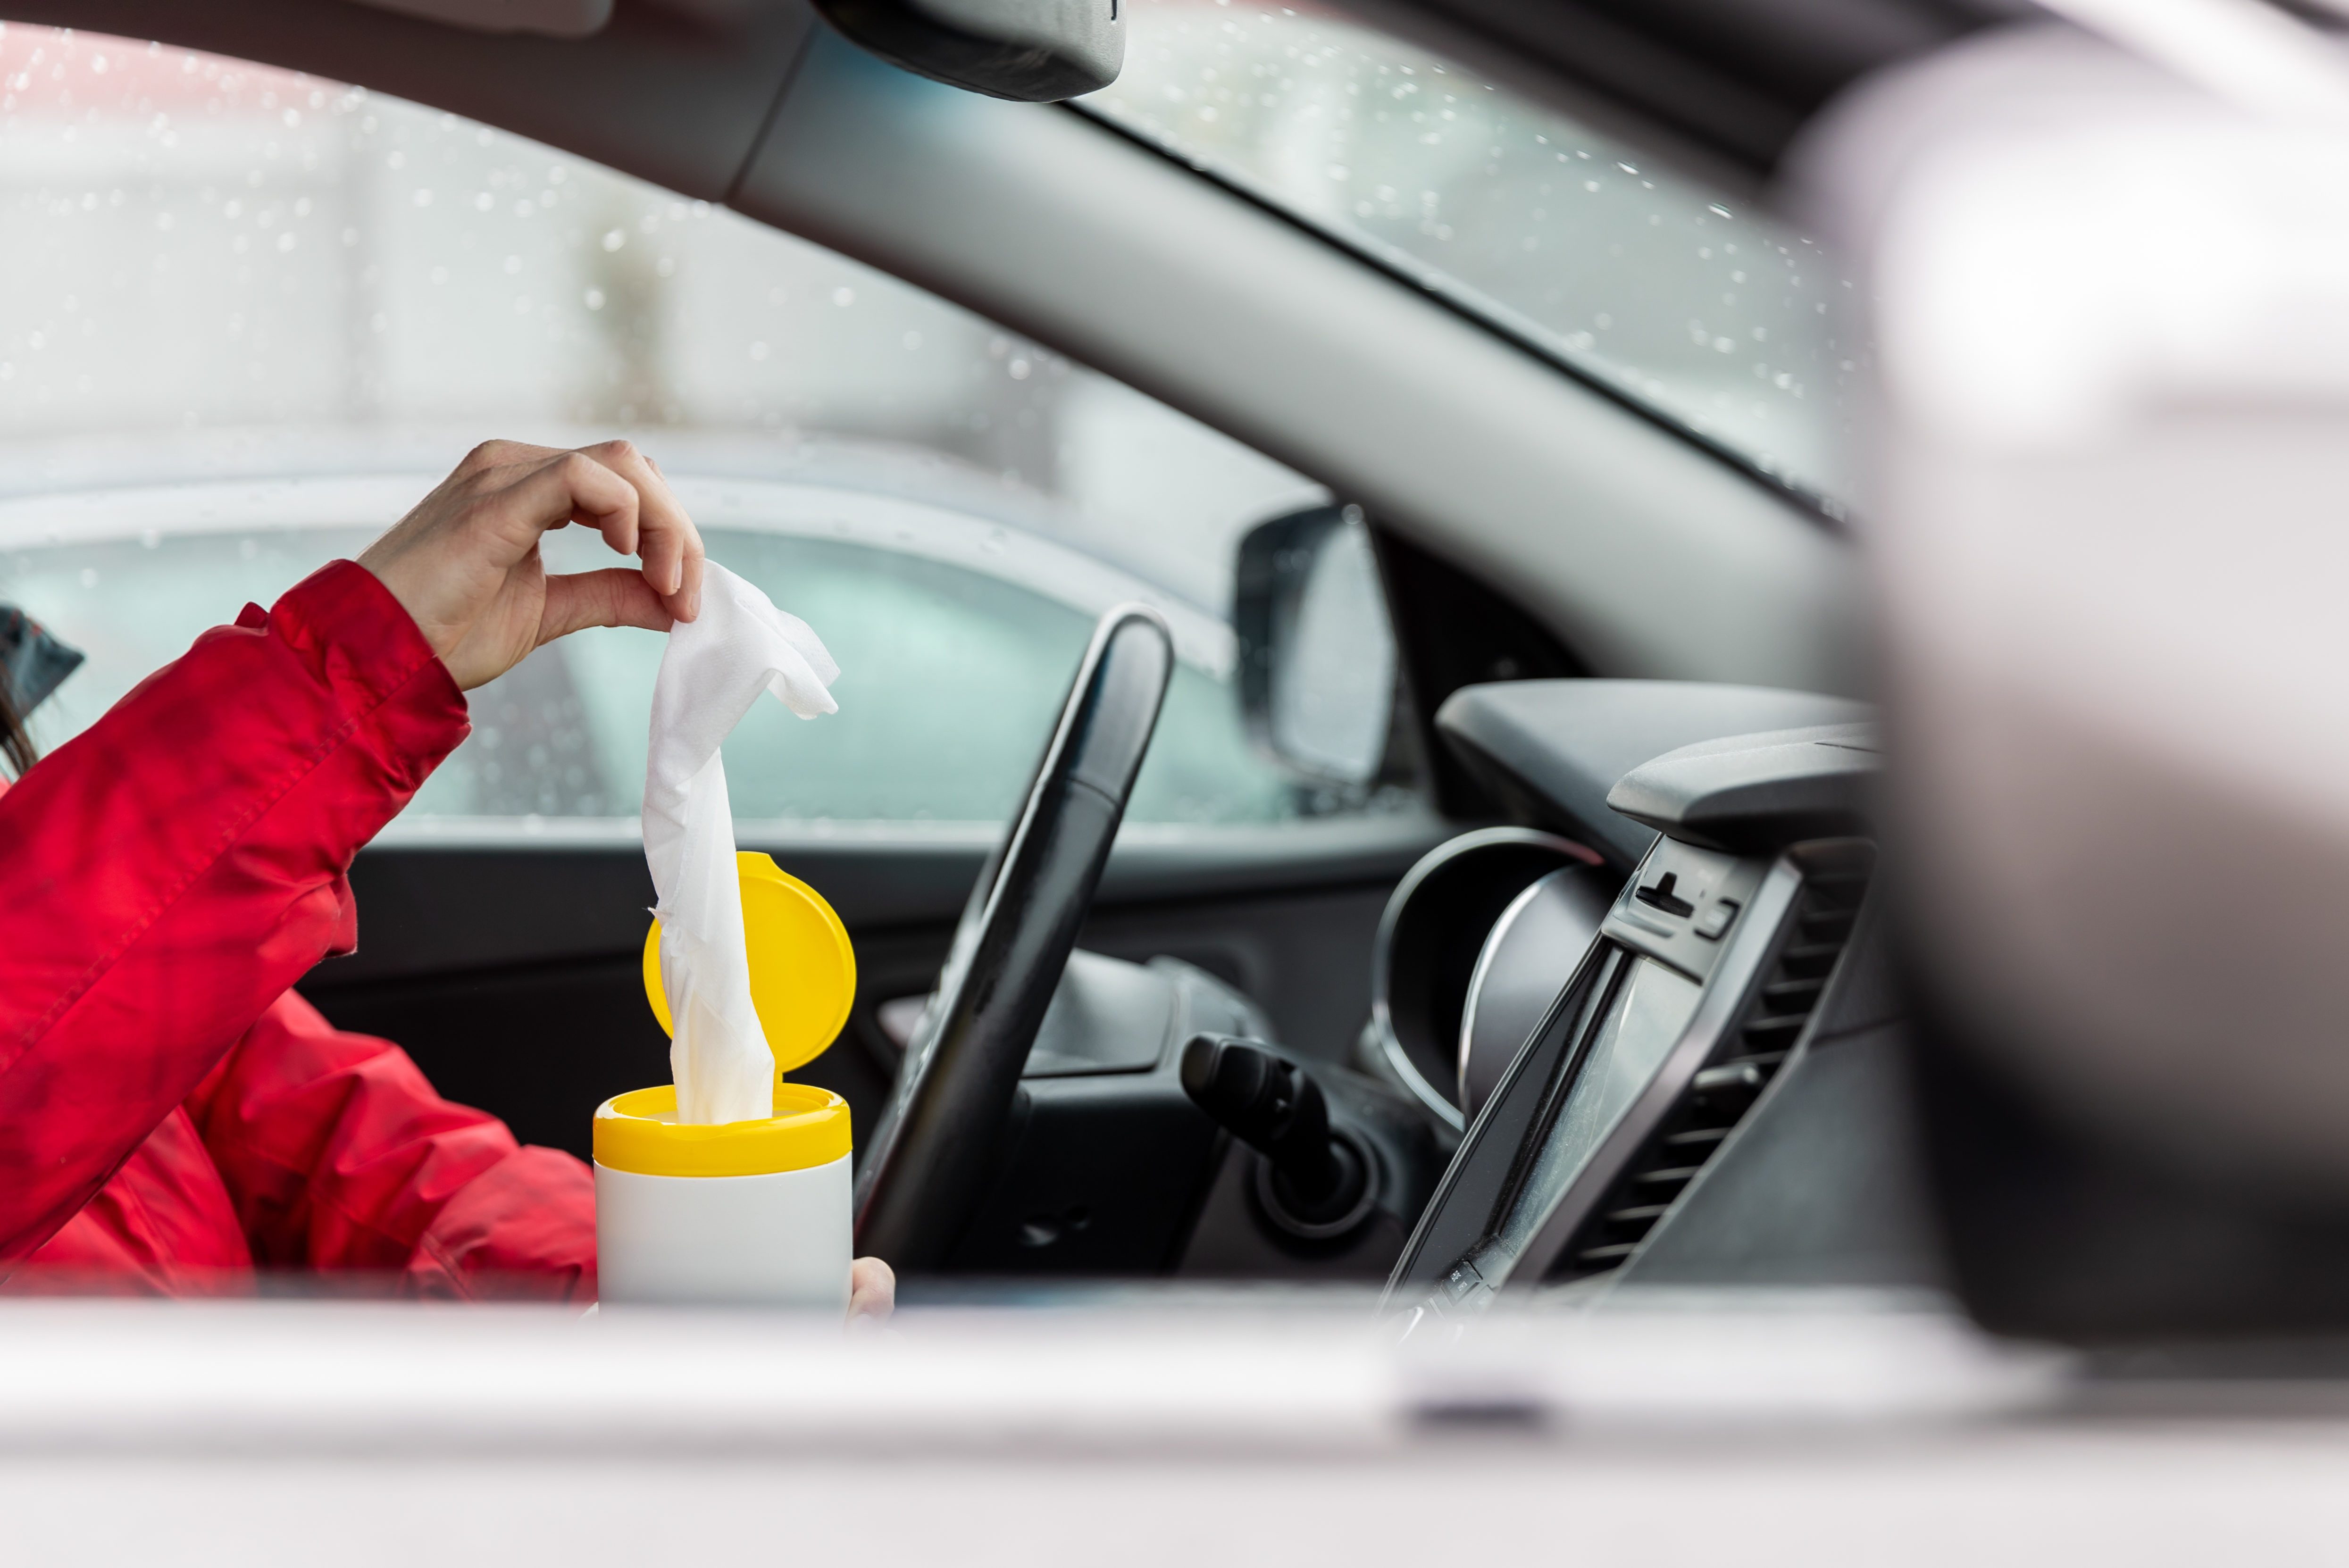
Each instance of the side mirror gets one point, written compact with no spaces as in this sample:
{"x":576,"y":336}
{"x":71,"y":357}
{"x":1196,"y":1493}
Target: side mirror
{"x":1317,"y":653}
{"x":1033,"y":51}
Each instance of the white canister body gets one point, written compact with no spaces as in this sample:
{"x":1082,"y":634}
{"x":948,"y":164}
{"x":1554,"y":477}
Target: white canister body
{"x":781,"y":1239}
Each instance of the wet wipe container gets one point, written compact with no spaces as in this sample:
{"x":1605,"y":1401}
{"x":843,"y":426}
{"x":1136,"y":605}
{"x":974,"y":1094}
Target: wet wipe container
{"x":756,"y":1212}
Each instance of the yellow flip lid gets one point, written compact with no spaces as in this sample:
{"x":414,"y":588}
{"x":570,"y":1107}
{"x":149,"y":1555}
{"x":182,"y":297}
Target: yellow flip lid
{"x":803,"y":968}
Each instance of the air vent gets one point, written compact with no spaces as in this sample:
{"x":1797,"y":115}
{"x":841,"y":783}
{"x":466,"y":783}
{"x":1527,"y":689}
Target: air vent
{"x":1722,"y":1092}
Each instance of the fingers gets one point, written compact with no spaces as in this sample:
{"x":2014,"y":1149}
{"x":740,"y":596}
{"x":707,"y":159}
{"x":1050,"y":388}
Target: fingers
{"x":465,"y":562}
{"x":872,"y":1290}
{"x":616,"y":596}
{"x":666,"y":540}
{"x":570,"y":486}
{"x":614,"y":489}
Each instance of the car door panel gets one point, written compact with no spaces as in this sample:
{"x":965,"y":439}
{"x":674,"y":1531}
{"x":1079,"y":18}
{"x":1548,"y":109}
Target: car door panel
{"x":515,"y":976}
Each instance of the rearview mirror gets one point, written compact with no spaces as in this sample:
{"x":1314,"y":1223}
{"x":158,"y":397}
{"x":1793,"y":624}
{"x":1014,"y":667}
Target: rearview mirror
{"x":1034,"y":51}
{"x":1317,"y":655}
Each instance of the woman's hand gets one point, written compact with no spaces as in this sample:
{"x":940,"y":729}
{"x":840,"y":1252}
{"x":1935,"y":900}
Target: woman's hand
{"x":872,"y":1290}
{"x":465,"y":563}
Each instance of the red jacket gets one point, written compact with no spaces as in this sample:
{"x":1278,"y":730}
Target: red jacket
{"x":171,"y":1114}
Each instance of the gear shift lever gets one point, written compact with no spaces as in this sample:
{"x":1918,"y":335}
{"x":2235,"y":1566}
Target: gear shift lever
{"x":1318,"y":1182}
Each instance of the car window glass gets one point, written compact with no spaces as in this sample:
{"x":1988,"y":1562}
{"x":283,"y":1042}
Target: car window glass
{"x":249,"y":316}
{"x":1678,"y":298}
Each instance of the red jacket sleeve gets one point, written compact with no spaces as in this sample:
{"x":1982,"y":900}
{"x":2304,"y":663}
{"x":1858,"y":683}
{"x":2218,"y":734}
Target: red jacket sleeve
{"x":167,"y":874}
{"x":339,"y":1155}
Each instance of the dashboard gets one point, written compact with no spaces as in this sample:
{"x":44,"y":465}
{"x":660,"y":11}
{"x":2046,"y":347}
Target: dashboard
{"x":1644,"y":1037}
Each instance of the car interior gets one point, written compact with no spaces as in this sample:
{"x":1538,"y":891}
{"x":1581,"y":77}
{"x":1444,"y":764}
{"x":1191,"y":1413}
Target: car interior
{"x":1421,"y":835}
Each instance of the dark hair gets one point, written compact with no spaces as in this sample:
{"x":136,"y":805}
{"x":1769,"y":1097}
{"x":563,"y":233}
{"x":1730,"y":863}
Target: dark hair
{"x":32,"y":663}
{"x":16,"y":746}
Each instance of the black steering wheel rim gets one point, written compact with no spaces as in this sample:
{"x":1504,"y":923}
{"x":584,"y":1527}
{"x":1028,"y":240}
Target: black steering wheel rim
{"x":926,"y":1166}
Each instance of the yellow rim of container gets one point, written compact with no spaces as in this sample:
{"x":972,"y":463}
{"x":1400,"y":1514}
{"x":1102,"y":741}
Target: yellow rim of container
{"x":637,"y":1132}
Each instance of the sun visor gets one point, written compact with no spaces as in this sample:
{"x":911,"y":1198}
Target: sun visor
{"x":549,"y":18}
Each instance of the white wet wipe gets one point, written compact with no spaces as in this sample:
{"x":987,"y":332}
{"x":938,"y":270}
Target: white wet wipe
{"x":714,"y":668}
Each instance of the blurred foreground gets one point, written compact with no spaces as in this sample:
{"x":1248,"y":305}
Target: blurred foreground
{"x":1144,"y":1427}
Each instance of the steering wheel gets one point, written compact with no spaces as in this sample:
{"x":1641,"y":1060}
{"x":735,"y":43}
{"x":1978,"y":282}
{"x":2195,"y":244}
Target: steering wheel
{"x":925,"y":1170}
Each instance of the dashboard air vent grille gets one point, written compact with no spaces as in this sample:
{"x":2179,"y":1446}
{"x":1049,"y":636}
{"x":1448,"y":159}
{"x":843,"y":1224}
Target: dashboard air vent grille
{"x":1720,"y":1093}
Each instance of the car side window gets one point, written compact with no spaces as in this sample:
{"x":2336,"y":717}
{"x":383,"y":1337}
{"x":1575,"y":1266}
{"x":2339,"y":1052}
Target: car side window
{"x":260,"y":314}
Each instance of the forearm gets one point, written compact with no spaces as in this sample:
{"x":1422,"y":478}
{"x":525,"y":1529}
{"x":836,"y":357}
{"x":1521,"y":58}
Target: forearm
{"x":167,"y":874}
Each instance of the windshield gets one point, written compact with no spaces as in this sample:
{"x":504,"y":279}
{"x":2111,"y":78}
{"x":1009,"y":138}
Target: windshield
{"x":1673,"y":297}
